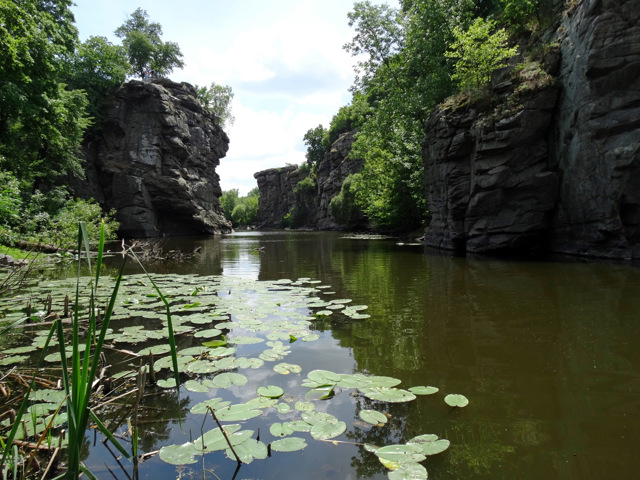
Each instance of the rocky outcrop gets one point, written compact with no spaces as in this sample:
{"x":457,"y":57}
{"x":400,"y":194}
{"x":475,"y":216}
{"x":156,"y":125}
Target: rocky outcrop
{"x":487,"y":175}
{"x":547,"y":171}
{"x":154,"y":162}
{"x":596,"y":139}
{"x":336,"y":166}
{"x":280,"y":193}
{"x":276,"y":186}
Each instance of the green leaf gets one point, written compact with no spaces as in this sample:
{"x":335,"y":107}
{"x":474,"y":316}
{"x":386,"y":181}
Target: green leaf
{"x":290,"y":444}
{"x":401,"y":453}
{"x":391,"y":395}
{"x":248,"y":451}
{"x":456,"y":400}
{"x":287,"y":368}
{"x":374,"y":417}
{"x":430,"y":444}
{"x":327,"y":429}
{"x":271,"y":391}
{"x":409,"y":471}
{"x":179,"y":454}
{"x":421,"y":390}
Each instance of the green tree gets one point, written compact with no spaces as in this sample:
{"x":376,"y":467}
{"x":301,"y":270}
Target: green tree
{"x":98,"y":67}
{"x":478,"y":52}
{"x":228,"y":201}
{"x":317,"y":146}
{"x":217,"y":99}
{"x":144,"y":46}
{"x":41,"y":120}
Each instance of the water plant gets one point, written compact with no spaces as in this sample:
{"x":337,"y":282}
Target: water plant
{"x":80,"y":364}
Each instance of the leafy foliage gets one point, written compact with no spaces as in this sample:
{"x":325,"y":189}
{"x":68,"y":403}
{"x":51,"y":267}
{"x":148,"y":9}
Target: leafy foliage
{"x":343,"y":206}
{"x":242,"y":211}
{"x":217,"y":99}
{"x":144,"y":46}
{"x":316,"y":144}
{"x":41,"y":121}
{"x":478,"y":52}
{"x":98,"y":67}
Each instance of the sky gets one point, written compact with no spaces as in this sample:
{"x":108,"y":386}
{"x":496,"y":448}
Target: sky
{"x":283,"y":59}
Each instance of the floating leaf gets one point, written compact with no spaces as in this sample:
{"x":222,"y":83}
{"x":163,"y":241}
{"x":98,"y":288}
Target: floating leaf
{"x":401,"y":453}
{"x":203,"y":407}
{"x":305,"y":406}
{"x":245,"y":340}
{"x":179,"y":454}
{"x":324,"y":430}
{"x":209,"y":333}
{"x":229,"y":379}
{"x":392,"y":395}
{"x":456,"y":400}
{"x":235,"y":413}
{"x":430,"y":444}
{"x":374,"y":417}
{"x":214,"y":440}
{"x":287,"y":368}
{"x":280,"y":429}
{"x":283,"y":407}
{"x":409,"y":471}
{"x":271,"y":391}
{"x":290,"y":444}
{"x":248,"y":451}
{"x":421,"y":390}
{"x":195,"y":386}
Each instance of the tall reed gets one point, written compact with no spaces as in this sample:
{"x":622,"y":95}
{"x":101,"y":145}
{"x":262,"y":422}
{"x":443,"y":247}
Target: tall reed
{"x":78,"y":377}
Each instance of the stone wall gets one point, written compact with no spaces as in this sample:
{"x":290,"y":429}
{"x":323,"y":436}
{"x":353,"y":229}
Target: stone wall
{"x":558,"y":168}
{"x":154,"y":162}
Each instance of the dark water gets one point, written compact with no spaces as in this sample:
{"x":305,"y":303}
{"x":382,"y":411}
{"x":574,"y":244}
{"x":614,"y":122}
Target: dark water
{"x":547,"y":353}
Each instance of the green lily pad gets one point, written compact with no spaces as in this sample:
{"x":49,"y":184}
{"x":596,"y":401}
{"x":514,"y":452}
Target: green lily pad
{"x":271,"y":391}
{"x":401,"y":453}
{"x":421,"y":390}
{"x":214,"y":440}
{"x":456,"y":400}
{"x":287,"y":368}
{"x":305,"y":406}
{"x":214,"y":403}
{"x":373,"y":417}
{"x":283,"y":408}
{"x":179,"y":454}
{"x":430,"y":444}
{"x":229,"y":379}
{"x":290,"y":444}
{"x":280,"y":429}
{"x":248,"y":451}
{"x":195,"y":386}
{"x":391,"y":395}
{"x":409,"y":471}
{"x":326,"y":430}
{"x":238,"y":412}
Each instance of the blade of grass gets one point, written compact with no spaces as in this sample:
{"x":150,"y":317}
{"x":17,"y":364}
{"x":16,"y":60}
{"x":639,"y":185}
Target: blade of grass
{"x":109,"y":435}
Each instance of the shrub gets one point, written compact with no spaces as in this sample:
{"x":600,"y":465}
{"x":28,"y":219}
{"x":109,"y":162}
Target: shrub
{"x":478,"y":52}
{"x":10,"y":202}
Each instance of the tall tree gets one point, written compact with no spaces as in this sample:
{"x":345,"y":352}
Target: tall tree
{"x":145,"y":48}
{"x":41,"y":121}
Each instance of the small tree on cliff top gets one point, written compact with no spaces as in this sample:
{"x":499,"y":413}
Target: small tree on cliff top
{"x":144,"y":46}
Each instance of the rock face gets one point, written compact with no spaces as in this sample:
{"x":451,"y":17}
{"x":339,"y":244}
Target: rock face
{"x":154,"y":162}
{"x":561,"y":171}
{"x":336,"y":166}
{"x":597,"y":132}
{"x":278,"y":191}
{"x":276,"y":187}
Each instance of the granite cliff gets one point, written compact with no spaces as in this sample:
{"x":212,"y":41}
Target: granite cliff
{"x":278,"y":192}
{"x":552,"y":166}
{"x":154,"y":162}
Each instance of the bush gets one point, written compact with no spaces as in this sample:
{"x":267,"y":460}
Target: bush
{"x":305,"y":186}
{"x":10,"y":202}
{"x":478,"y":52}
{"x":343,"y":206}
{"x":64,"y":226}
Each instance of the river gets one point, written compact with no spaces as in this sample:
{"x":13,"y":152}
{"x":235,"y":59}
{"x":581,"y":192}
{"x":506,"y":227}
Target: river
{"x":546,"y":352}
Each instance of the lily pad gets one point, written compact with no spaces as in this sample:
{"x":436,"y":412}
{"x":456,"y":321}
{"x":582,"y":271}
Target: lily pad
{"x":324,"y":430}
{"x":287,"y":368}
{"x":290,"y":444}
{"x":179,"y":454}
{"x":401,"y":453}
{"x":391,"y":395}
{"x":409,"y":471}
{"x":421,"y":390}
{"x":373,"y":417}
{"x":271,"y":391}
{"x":248,"y":451}
{"x":456,"y":400}
{"x":430,"y":444}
